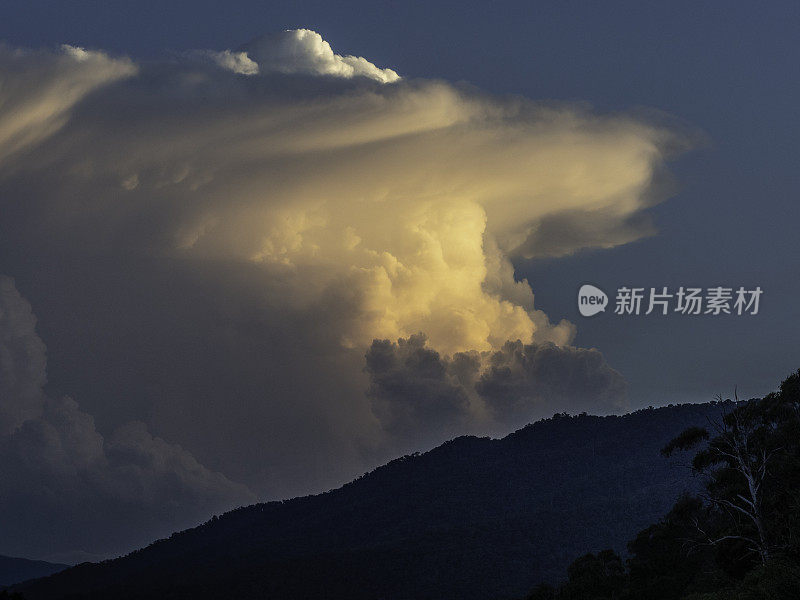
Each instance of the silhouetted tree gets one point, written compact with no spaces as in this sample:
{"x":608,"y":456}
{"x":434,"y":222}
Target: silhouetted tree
{"x":741,"y":462}
{"x":737,"y":540}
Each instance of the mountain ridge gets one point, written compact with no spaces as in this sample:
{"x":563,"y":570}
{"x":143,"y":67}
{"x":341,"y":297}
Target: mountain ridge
{"x":519,"y":508}
{"x":16,"y":570}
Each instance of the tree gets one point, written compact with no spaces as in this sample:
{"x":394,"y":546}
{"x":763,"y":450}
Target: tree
{"x":737,"y":463}
{"x":739,"y":539}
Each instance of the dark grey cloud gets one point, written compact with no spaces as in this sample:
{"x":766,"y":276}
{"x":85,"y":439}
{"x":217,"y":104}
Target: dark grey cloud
{"x":416,"y":392}
{"x":67,"y":487}
{"x":22,"y":360}
{"x":413,"y":391}
{"x":526,"y":381}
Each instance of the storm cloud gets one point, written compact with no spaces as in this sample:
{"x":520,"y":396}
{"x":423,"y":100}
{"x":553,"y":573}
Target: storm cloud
{"x":93,"y":492}
{"x":215,"y":242}
{"x":417,"y":392}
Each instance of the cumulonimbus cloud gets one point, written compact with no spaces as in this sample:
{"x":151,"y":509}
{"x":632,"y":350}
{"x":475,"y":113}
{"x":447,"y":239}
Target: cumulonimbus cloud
{"x":413,"y":194}
{"x":326,"y":203}
{"x":295,"y":51}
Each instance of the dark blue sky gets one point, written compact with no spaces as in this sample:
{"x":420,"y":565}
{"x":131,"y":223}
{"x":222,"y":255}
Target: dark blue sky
{"x":729,"y":70}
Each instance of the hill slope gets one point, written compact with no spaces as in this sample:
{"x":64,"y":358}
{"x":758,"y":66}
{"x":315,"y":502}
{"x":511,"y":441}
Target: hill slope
{"x":14,"y":570}
{"x":473,"y":518}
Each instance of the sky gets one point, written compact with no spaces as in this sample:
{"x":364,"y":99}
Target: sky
{"x":244,"y":263}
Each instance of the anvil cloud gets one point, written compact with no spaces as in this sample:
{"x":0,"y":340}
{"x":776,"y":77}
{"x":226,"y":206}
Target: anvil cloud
{"x":317,"y":208}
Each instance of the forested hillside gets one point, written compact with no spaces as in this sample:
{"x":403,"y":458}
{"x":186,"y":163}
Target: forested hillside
{"x":474,"y":518}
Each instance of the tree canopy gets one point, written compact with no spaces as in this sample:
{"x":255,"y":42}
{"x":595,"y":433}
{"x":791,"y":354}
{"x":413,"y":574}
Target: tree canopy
{"x":738,"y":539}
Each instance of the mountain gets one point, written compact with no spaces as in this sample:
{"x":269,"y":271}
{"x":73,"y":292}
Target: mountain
{"x":473,"y":518}
{"x":14,"y":570}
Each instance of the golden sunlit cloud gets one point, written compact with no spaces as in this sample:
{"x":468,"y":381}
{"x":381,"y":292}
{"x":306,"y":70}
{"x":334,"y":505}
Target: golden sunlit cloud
{"x":413,"y":195}
{"x":374,"y":216}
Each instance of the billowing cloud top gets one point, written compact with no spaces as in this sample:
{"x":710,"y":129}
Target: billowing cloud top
{"x":296,"y":51}
{"x":323,"y":210}
{"x":304,"y":51}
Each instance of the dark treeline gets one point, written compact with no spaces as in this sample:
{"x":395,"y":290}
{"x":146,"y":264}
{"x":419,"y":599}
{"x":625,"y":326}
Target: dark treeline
{"x":738,"y":539}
